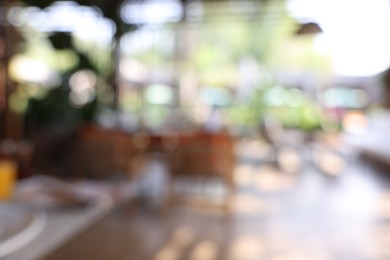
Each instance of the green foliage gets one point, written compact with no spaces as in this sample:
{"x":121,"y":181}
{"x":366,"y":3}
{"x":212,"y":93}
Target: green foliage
{"x":252,"y":112}
{"x":295,"y":110}
{"x":292,"y":108}
{"x":54,"y":108}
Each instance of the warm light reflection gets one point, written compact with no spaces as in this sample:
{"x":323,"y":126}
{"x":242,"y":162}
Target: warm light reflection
{"x":384,"y":206}
{"x":289,"y":160}
{"x":243,"y":175}
{"x":355,"y":122}
{"x":271,"y":180}
{"x":204,"y":250}
{"x":256,"y":149}
{"x":296,"y":256}
{"x":247,"y":204}
{"x":331,"y":163}
{"x":380,"y":244}
{"x":181,"y":238}
{"x":328,"y":161}
{"x":168,"y":253}
{"x":278,"y":241}
{"x":247,"y":247}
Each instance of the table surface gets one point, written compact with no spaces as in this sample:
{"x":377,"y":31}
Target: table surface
{"x":65,"y":222}
{"x":60,"y":227}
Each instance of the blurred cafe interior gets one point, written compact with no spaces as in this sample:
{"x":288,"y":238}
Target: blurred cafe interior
{"x":194,"y":129}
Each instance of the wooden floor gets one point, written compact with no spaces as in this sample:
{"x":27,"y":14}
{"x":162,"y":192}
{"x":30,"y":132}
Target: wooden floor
{"x":339,"y":212}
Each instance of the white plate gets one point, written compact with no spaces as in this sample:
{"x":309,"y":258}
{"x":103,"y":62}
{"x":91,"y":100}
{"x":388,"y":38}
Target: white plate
{"x":19,"y":224}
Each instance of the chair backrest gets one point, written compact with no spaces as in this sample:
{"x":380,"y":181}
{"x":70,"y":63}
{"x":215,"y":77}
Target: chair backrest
{"x":103,"y":153}
{"x":202,"y":155}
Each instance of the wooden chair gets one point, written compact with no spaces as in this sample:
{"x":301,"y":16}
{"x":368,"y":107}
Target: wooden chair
{"x":198,"y":160}
{"x":103,"y":153}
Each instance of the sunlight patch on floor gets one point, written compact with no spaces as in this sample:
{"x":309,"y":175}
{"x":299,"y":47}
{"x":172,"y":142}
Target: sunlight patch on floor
{"x":246,"y":247}
{"x":205,"y":250}
{"x":270,"y":179}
